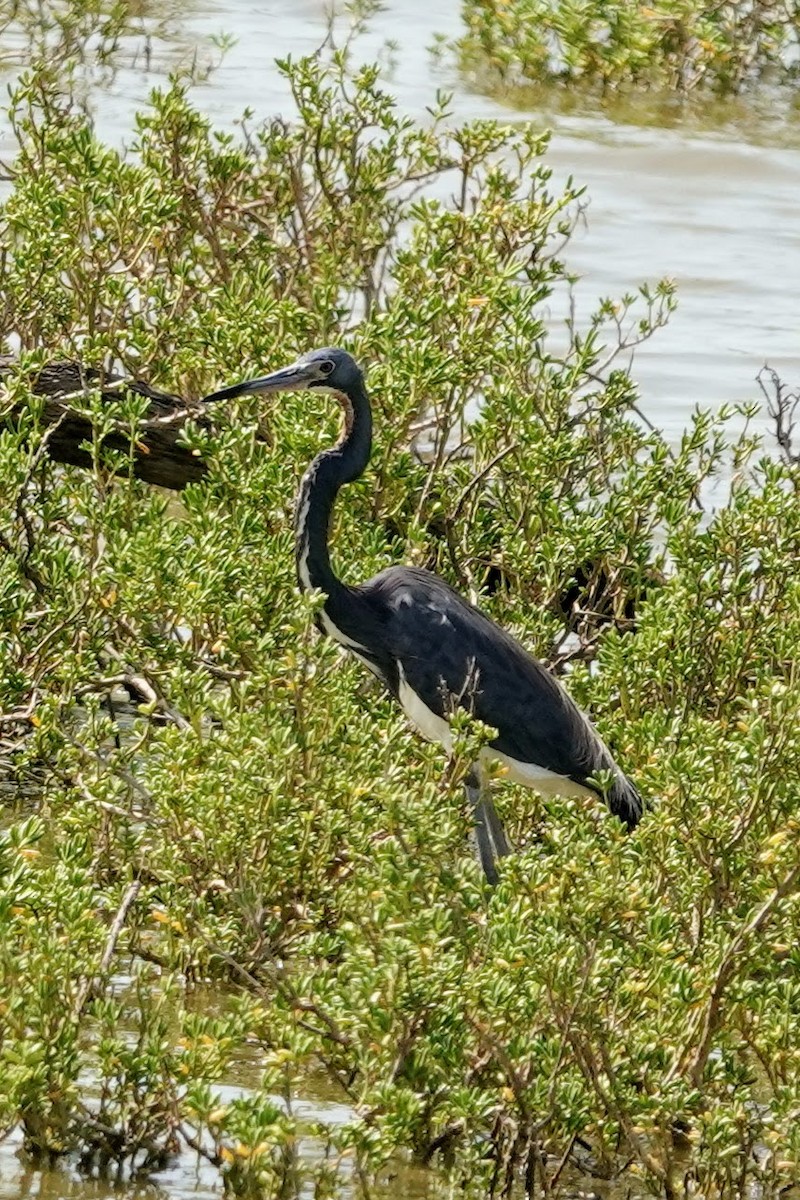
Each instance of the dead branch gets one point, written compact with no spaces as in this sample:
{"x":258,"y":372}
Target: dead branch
{"x":783,"y":407}
{"x":88,"y":982}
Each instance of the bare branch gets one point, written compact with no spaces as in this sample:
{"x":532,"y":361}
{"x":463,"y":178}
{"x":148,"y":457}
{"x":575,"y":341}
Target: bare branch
{"x":90,"y":982}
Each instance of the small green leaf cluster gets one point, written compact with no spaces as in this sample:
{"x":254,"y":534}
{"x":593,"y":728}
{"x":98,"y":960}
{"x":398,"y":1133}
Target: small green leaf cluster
{"x":223,"y":845}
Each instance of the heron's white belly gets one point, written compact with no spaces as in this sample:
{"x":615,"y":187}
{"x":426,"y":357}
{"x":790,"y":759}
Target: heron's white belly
{"x":538,"y":778}
{"x":436,"y":729}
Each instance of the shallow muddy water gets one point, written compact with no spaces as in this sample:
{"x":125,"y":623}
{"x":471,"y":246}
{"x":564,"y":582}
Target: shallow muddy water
{"x":314,"y":1101}
{"x":717,"y":210}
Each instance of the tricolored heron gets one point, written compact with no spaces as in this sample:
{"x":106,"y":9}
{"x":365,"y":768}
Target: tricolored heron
{"x":431,"y":648}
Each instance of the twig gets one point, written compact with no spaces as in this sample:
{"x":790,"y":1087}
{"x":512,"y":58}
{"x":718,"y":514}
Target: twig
{"x":121,"y":772}
{"x":21,"y":716}
{"x":479,"y":478}
{"x":195,"y":1144}
{"x":144,"y":684}
{"x":709,"y":1018}
{"x":782,"y":407}
{"x":117,"y":810}
{"x":90,"y":982}
{"x":30,"y":573}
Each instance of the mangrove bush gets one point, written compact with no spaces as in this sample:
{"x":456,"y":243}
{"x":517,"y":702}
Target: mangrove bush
{"x":673,"y":45}
{"x":203,"y":794}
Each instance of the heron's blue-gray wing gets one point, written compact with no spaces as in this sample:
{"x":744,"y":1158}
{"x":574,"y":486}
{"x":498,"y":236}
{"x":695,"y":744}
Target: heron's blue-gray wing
{"x":450,"y":653}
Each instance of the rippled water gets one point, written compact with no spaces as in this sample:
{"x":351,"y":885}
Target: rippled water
{"x":716,"y":210}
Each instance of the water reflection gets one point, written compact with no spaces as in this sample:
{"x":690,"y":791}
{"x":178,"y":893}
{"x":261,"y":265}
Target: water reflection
{"x":18,"y":1179}
{"x":191,"y":1178}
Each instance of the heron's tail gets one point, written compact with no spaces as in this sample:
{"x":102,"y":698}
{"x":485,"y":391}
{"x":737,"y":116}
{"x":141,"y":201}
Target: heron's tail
{"x":625,"y":802}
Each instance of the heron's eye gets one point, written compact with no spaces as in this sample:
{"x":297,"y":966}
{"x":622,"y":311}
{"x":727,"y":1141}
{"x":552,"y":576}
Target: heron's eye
{"x":326,"y":367}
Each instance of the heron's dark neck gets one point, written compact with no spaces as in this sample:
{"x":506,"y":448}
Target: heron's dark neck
{"x":321,"y":482}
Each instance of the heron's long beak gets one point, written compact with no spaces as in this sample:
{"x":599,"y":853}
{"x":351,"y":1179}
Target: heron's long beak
{"x":288,"y":379}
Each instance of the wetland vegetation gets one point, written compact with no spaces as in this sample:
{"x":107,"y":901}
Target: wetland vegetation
{"x":677,"y":47}
{"x":201,"y":793}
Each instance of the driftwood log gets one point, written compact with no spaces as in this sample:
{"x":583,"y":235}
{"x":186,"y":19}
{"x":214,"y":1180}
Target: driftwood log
{"x":158,"y":458}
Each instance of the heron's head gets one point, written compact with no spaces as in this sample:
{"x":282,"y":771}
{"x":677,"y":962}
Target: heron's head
{"x":331,"y":368}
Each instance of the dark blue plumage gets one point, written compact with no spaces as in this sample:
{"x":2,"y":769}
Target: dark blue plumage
{"x":418,"y":617}
{"x":430,"y":647}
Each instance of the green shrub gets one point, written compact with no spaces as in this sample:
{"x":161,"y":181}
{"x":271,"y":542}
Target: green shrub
{"x":258,"y":817}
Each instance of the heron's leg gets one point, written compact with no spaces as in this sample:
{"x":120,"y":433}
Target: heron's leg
{"x":490,"y":839}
